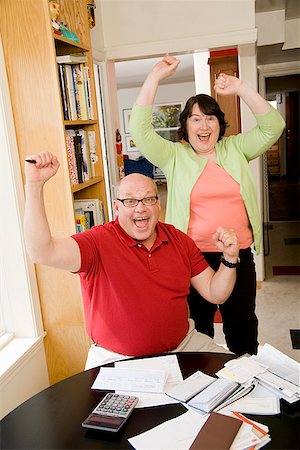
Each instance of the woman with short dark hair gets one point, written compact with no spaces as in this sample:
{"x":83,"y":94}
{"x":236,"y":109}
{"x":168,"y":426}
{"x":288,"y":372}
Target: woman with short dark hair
{"x":210,"y":183}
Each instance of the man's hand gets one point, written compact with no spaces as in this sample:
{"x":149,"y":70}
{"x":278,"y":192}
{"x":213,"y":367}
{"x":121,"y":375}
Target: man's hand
{"x":226,"y":241}
{"x":46,"y":165}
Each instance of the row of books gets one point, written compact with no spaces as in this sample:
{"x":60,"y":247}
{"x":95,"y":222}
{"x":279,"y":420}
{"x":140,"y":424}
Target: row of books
{"x":75,"y":88}
{"x":82,"y":156}
{"x":88,"y":212}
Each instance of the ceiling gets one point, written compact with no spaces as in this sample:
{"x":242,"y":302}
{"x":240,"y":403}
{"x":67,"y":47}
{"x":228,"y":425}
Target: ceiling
{"x":132,"y":73}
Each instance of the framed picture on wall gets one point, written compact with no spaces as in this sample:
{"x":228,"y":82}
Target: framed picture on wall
{"x":170,"y":134}
{"x":126,"y":118}
{"x":167,"y":115}
{"x":130,"y":145}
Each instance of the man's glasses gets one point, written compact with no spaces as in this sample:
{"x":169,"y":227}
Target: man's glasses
{"x":132,"y":202}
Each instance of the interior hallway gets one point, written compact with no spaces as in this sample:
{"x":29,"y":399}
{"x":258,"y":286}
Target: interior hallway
{"x":278,"y":299}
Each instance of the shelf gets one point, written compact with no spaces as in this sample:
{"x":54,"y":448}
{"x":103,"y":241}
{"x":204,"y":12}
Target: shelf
{"x":74,"y":123}
{"x":66,"y":46}
{"x":91,"y":182}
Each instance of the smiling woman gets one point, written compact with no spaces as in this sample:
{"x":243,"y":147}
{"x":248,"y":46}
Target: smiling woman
{"x":209,"y":184}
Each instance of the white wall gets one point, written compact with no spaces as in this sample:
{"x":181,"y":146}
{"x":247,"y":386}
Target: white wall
{"x":167,"y":93}
{"x":133,"y":29}
{"x":151,"y":27}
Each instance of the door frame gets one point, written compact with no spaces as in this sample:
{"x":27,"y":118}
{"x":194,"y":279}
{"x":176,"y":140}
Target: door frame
{"x":266,"y":71}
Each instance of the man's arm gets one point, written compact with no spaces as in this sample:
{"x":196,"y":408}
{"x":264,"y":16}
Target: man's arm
{"x":216,"y":287}
{"x":41,"y":246}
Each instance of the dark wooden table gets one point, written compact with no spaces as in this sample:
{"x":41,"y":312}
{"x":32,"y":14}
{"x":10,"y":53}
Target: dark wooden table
{"x":52,"y":419}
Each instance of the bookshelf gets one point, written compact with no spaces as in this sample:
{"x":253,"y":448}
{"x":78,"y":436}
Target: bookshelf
{"x":30,"y":48}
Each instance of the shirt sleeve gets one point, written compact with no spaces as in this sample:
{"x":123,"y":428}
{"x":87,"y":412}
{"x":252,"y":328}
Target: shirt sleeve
{"x":156,"y":149}
{"x":88,"y":250}
{"x":256,"y":141}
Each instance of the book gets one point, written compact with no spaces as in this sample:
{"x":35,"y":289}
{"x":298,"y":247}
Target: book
{"x":80,"y":220}
{"x":63,"y":93}
{"x":87,"y":79}
{"x":93,"y":205}
{"x":86,"y":161}
{"x":218,"y":432}
{"x":71,"y":157}
{"x":78,"y":156}
{"x":76,"y":93}
{"x":78,"y":71}
{"x":93,"y":152}
{"x":71,"y":92}
{"x":72,"y":58}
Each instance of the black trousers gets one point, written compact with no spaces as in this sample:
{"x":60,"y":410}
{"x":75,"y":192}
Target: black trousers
{"x":238,"y":312}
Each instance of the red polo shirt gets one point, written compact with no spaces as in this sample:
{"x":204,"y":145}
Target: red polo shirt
{"x":135,"y":300}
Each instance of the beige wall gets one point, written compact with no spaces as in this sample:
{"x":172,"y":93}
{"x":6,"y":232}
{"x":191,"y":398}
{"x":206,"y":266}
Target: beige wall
{"x":140,"y":27}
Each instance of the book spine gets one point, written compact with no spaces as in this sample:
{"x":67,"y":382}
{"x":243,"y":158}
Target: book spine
{"x":88,"y":92}
{"x":63,"y":93}
{"x":93,"y":153}
{"x":72,"y":160}
{"x":76,"y":93}
{"x":81,"y":93}
{"x":71,"y":91}
{"x":85,"y":155}
{"x":78,"y":155}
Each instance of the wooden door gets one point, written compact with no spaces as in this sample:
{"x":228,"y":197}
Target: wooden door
{"x":229,"y":104}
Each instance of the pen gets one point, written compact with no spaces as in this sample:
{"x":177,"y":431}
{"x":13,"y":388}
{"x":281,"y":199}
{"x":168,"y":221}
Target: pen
{"x":32,"y":161}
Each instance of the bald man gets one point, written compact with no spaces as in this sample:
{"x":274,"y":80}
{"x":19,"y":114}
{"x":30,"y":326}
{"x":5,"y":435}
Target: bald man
{"x":135,"y":271}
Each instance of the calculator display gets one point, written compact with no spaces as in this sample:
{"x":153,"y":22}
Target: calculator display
{"x":111,"y":412}
{"x":104,"y":421}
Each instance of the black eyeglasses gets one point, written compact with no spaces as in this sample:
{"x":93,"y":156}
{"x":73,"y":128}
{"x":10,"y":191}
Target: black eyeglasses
{"x":132,"y":202}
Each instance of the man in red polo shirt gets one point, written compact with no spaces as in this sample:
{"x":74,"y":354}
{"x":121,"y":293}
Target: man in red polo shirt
{"x":135,"y":272}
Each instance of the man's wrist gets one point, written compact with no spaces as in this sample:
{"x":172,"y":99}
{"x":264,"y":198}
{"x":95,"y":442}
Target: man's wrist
{"x":231,"y":262}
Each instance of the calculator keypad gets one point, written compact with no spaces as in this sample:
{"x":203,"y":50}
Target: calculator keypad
{"x":116,"y":405}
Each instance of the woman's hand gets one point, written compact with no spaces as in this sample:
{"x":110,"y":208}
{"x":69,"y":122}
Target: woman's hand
{"x":227,"y":84}
{"x":165,"y":68}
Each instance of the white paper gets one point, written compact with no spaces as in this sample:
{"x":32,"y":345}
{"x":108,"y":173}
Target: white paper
{"x":244,"y":438}
{"x":279,"y":363}
{"x":135,"y":380}
{"x":250,"y":405}
{"x":168,"y":364}
{"x":175,"y":434}
{"x":241,"y":370}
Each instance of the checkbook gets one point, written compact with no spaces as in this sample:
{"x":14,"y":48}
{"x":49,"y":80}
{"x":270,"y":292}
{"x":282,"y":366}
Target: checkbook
{"x":135,"y":380}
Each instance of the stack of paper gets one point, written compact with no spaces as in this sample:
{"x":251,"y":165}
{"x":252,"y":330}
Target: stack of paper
{"x":274,"y":373}
{"x":183,"y":432}
{"x":208,"y":399}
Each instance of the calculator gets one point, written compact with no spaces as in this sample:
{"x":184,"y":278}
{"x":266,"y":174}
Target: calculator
{"x":111,"y":413}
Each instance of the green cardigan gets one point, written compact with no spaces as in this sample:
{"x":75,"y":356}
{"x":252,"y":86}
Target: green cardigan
{"x":182,"y":166}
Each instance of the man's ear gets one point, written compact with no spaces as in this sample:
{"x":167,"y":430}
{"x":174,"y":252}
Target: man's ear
{"x":116,"y":207}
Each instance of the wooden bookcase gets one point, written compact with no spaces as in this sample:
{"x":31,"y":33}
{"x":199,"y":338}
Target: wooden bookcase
{"x":30,"y":50}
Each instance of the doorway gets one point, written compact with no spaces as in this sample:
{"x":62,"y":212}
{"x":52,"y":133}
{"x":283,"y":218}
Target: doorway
{"x":283,"y":164}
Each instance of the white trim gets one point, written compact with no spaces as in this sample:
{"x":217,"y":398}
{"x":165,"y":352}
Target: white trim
{"x":178,"y":46}
{"x":15,"y":354}
{"x":21,"y":302}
